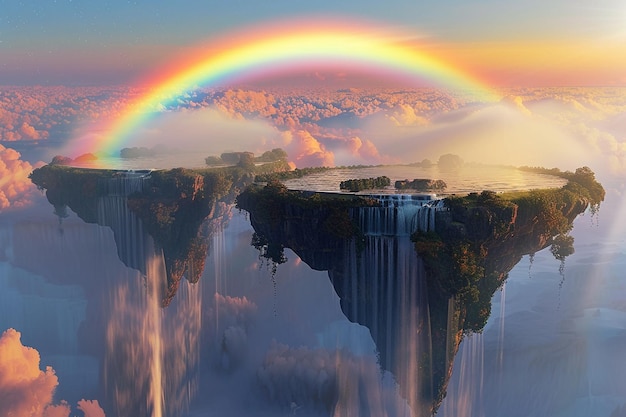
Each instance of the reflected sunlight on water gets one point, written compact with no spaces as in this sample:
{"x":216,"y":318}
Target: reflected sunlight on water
{"x":469,"y":178}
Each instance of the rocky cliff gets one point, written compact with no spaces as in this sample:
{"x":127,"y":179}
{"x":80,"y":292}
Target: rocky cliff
{"x":171,"y":205}
{"x":441,"y":289}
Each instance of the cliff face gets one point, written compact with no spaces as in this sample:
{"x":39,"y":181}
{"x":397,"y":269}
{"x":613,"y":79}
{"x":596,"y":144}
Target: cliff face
{"x":418,"y":303}
{"x":315,"y":227}
{"x":171,"y":206}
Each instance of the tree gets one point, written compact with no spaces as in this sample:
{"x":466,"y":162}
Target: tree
{"x":450,"y":162}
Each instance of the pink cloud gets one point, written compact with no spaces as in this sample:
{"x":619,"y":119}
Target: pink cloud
{"x":91,"y":408}
{"x":305,"y":150}
{"x":364,"y":148}
{"x":61,"y":410}
{"x":26,"y":390}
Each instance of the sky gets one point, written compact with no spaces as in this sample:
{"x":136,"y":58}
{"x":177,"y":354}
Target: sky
{"x":534,"y":42}
{"x":534,"y":47}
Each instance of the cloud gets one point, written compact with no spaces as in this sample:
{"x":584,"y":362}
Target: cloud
{"x":404,"y":115}
{"x":233,"y":316}
{"x":61,"y":410}
{"x":495,"y":134}
{"x":353,"y":151}
{"x":530,"y":126}
{"x":41,"y":113}
{"x":336,"y":382}
{"x":26,"y":390}
{"x":516,"y":102}
{"x":206,"y":130}
{"x":305,"y":150}
{"x":15,"y":186}
{"x":90,"y":408}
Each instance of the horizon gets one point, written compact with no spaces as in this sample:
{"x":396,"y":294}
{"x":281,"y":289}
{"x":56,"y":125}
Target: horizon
{"x":563,"y":43}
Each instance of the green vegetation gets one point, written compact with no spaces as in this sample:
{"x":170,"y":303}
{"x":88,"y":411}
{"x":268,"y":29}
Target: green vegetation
{"x":239,"y":158}
{"x":464,"y":256}
{"x":74,"y":187}
{"x":421,"y":184}
{"x":273,"y":205}
{"x":172,"y":206}
{"x":288,"y":175}
{"x":303,"y":172}
{"x":425,"y":163}
{"x":276,"y":154}
{"x":582,"y":181}
{"x":81,"y":159}
{"x":361,"y":184}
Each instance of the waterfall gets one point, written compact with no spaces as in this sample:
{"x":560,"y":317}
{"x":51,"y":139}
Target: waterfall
{"x":127,"y":228}
{"x":399,"y":214}
{"x":383,"y":286}
{"x":126,"y":183}
{"x":140,"y":333}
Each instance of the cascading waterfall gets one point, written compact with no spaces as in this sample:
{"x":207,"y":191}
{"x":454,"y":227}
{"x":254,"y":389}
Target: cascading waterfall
{"x":466,"y":388}
{"x":140,"y":333}
{"x":399,"y":214}
{"x":383,"y":286}
{"x":501,"y":329}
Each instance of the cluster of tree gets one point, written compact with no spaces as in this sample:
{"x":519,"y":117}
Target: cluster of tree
{"x":450,"y":162}
{"x":458,"y":256}
{"x":583,"y":177}
{"x":243,"y":158}
{"x":65,"y":160}
{"x":361,"y":184}
{"x":172,"y":206}
{"x":425,"y":163}
{"x":446,"y":162}
{"x":288,"y":175}
{"x":421,"y":184}
{"x":276,"y":154}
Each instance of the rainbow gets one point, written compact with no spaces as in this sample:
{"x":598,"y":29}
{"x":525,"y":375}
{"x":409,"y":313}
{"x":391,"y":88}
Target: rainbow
{"x":284,"y":47}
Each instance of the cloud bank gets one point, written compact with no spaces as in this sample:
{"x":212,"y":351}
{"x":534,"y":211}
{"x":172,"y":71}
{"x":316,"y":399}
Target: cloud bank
{"x":542,"y":126}
{"x":26,"y":390}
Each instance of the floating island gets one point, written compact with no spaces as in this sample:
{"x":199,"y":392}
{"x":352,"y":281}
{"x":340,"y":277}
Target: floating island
{"x":172,"y":204}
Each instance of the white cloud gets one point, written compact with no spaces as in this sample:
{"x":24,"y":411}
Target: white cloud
{"x":206,"y":130}
{"x":15,"y":186}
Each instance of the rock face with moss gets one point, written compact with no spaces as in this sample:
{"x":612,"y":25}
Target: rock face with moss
{"x":482,"y":236}
{"x":418,"y":303}
{"x":172,"y":205}
{"x":283,"y":218}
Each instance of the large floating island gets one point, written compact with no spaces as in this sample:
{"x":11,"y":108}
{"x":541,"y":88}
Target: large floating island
{"x":444,"y":258}
{"x":435,"y":264}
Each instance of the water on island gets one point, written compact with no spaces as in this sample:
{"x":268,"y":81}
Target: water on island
{"x":244,"y":340}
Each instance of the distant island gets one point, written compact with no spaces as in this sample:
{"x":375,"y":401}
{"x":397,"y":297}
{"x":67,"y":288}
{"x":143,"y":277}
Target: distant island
{"x":235,"y":158}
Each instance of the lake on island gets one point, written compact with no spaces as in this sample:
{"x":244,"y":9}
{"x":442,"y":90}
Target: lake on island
{"x":322,"y":332}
